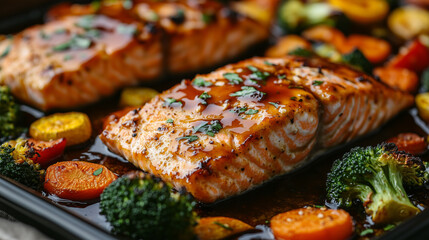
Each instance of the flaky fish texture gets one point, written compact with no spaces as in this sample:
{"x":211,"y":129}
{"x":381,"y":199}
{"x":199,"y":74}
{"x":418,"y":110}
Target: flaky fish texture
{"x":235,"y":128}
{"x":86,"y":52}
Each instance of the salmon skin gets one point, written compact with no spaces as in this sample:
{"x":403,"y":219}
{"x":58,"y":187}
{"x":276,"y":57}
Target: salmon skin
{"x":85,"y":53}
{"x":226,"y":132}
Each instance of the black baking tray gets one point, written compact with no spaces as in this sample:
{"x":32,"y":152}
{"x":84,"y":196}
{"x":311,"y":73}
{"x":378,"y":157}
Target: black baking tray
{"x":34,"y":209}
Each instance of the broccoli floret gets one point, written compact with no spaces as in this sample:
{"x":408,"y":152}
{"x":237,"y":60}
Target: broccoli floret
{"x":357,"y":60}
{"x":376,"y":176}
{"x":142,"y":206}
{"x":15,"y":163}
{"x":8,"y":115}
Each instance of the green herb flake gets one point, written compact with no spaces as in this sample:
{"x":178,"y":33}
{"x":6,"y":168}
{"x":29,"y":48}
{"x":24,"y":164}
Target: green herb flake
{"x":208,"y":128}
{"x":317,"y":83}
{"x":366,"y":232}
{"x":98,"y":171}
{"x":293,"y":98}
{"x":239,"y":110}
{"x":126,"y":29}
{"x":169,"y":101}
{"x":223,"y":226}
{"x":268,"y":63}
{"x":60,"y":31}
{"x":170,"y":120}
{"x":258,"y":75}
{"x":207,"y":18}
{"x":233,"y":78}
{"x":76,"y":42}
{"x":389,"y":227}
{"x":93,"y":33}
{"x":68,"y":57}
{"x":276,"y":105}
{"x":190,"y":138}
{"x":248,"y":91}
{"x":85,"y":22}
{"x":200,"y":82}
{"x":295,"y":86}
{"x":281,"y":77}
{"x":43,"y":35}
{"x":205,"y":96}
{"x":6,"y":51}
{"x":127,"y":4}
{"x":251,"y":112}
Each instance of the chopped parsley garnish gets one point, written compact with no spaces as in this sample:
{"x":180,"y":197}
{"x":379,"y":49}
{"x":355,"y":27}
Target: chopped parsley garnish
{"x":268,"y":63}
{"x":68,"y":57}
{"x":169,"y":101}
{"x":293,"y":98}
{"x":233,"y":78}
{"x":317,"y":83}
{"x":207,"y":18}
{"x":281,"y":76}
{"x":248,"y":91}
{"x":239,"y":110}
{"x":389,"y":227}
{"x":93,"y":33}
{"x":295,"y":86}
{"x":6,"y":51}
{"x":98,"y":172}
{"x":208,"y":128}
{"x":190,"y":138}
{"x":43,"y":35}
{"x":76,"y":42}
{"x":251,"y":112}
{"x":223,"y":226}
{"x":200,"y":82}
{"x":170,"y":120}
{"x":153,"y":16}
{"x":126,"y":29}
{"x":258,"y":75}
{"x":85,"y":22}
{"x":60,"y":31}
{"x":366,"y":232}
{"x":204,"y":96}
{"x":276,"y":105}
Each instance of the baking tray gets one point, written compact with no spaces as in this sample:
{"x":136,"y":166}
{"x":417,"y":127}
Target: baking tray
{"x":58,"y":222}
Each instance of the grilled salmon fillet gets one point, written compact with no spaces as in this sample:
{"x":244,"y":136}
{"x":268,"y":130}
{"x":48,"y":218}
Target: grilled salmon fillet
{"x":235,"y":128}
{"x":49,"y":66}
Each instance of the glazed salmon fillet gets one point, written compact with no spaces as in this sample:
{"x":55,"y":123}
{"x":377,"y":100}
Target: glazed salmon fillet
{"x":226,"y":132}
{"x":114,"y":45}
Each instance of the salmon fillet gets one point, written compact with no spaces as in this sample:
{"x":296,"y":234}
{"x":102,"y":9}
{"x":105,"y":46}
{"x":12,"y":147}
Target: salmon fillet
{"x":127,"y":45}
{"x":233,"y":129}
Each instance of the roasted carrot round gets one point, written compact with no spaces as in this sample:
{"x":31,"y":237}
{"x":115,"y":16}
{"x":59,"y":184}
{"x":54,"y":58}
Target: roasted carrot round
{"x":399,"y":78}
{"x":325,"y":34}
{"x":410,"y":143}
{"x":287,"y":44}
{"x":211,"y":228}
{"x":77,"y":180}
{"x":312,"y":224}
{"x":375,"y":50}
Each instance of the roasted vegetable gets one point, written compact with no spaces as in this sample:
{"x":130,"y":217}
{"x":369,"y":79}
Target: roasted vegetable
{"x":398,"y":78}
{"x":46,"y":152}
{"x":312,"y":223}
{"x":414,"y":56}
{"x":295,"y":16}
{"x":135,"y":97}
{"x":376,"y":50}
{"x":15,"y":163}
{"x":75,"y":127}
{"x":325,"y":34}
{"x":77,"y":180}
{"x":288,"y":44}
{"x":216,"y":228}
{"x":376,"y":176}
{"x":362,"y":11}
{"x":410,"y":143}
{"x":422,"y":103}
{"x":141,"y":206}
{"x":8,"y":116}
{"x":357,"y":60}
{"x":409,"y":21}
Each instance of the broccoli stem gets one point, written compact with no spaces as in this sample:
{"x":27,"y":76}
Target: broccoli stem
{"x":389,"y":203}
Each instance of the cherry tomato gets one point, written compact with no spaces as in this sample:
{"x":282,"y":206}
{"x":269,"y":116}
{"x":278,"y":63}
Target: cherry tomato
{"x":414,"y":57}
{"x":410,"y":143}
{"x":47,"y":152}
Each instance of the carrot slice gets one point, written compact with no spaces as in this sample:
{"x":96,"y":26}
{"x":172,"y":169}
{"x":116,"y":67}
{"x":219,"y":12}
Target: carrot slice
{"x":410,"y":143}
{"x":286,"y":45}
{"x":399,"y":78}
{"x":312,"y":224}
{"x":375,"y":50}
{"x":212,"y":228}
{"x":77,"y":180}
{"x":325,"y":34}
